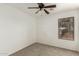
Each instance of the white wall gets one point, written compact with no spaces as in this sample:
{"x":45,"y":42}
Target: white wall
{"x":78,"y":31}
{"x":17,"y":30}
{"x":48,"y":30}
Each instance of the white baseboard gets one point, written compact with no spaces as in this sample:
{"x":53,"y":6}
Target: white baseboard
{"x":19,"y":49}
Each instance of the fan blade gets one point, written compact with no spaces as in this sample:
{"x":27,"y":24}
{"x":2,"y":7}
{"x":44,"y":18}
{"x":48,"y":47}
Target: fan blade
{"x":46,"y":11}
{"x":37,"y":11}
{"x":50,"y":6}
{"x":33,"y":7}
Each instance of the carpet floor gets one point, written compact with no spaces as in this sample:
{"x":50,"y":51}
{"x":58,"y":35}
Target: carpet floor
{"x":44,"y":50}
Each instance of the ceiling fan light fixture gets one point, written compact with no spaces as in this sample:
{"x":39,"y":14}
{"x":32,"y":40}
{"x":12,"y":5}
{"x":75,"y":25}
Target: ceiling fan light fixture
{"x":41,"y":7}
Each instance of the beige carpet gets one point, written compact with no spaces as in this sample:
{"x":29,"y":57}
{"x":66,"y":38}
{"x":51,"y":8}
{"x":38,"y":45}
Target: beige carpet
{"x":44,"y":50}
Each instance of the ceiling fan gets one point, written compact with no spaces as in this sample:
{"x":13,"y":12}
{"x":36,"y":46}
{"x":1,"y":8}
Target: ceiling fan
{"x":41,"y":6}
